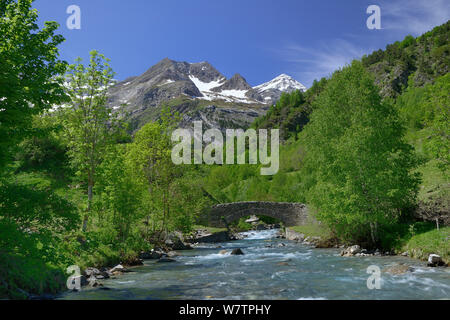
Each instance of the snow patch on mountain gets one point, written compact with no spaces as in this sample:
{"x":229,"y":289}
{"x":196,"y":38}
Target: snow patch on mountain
{"x":227,"y":95}
{"x":234,"y":93}
{"x":205,"y":86}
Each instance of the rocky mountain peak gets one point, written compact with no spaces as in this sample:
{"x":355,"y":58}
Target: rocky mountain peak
{"x":205,"y":72}
{"x":237,"y":82}
{"x":272,"y":90}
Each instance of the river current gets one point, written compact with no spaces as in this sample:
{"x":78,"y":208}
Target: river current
{"x":271,"y":269}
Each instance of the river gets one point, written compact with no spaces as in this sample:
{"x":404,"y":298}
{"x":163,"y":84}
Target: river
{"x":269,"y":270}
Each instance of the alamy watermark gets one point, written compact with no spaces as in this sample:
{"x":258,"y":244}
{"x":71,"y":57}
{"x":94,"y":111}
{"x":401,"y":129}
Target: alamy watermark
{"x":235,"y":147}
{"x":374,"y":20}
{"x":74,"y":281}
{"x":74,"y":20}
{"x":374,"y":280}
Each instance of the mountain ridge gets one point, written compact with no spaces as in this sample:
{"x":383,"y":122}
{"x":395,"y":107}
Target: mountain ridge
{"x":197,"y":91}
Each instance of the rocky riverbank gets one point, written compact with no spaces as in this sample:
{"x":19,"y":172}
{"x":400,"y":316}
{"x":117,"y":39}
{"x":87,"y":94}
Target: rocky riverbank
{"x":434,"y":260}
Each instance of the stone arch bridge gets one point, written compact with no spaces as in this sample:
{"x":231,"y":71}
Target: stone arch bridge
{"x":291,"y":214}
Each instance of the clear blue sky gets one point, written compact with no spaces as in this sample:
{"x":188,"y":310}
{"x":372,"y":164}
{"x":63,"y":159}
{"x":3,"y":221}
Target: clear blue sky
{"x":259,"y":39}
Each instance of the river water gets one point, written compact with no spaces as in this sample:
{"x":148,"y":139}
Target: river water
{"x":269,"y":270}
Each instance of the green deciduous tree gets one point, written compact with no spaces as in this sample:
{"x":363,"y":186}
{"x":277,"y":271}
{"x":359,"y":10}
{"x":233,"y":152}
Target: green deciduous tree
{"x":355,"y":152}
{"x":119,"y":195}
{"x":150,"y":158}
{"x":29,"y":65}
{"x":91,"y":126}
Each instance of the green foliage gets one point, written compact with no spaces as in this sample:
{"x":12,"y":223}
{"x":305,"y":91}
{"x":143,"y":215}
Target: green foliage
{"x":45,"y":150}
{"x":28,"y":69}
{"x":22,"y":276}
{"x":359,"y":164}
{"x":171,"y":199}
{"x":240,"y":225}
{"x":119,"y":196}
{"x":427,"y":109}
{"x":32,"y":220}
{"x":421,"y":59}
{"x":408,"y":41}
{"x":90,"y":125}
{"x":289,"y":114}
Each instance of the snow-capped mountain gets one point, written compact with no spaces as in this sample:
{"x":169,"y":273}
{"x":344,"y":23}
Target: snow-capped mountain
{"x":198,"y":92}
{"x":271,"y":91}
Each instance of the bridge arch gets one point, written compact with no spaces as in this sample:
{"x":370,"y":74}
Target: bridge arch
{"x":291,"y":214}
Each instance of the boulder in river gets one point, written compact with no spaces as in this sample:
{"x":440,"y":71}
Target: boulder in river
{"x":118,"y":269}
{"x":398,"y":269}
{"x":223,"y":252}
{"x":175,"y":241}
{"x":237,"y":251}
{"x":435,"y":260}
{"x":94,"y":272}
{"x":93,"y":282}
{"x":351,"y":251}
{"x":206,"y":237}
{"x":153,"y":254}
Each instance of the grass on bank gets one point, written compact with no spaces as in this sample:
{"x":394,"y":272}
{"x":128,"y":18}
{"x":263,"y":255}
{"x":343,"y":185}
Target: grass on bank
{"x":314,"y":230}
{"x":420,"y":246}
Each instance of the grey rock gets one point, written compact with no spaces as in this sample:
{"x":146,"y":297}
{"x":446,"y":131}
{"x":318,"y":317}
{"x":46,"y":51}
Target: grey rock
{"x":398,"y":269}
{"x":222,"y":236}
{"x":295,"y":236}
{"x":118,"y":269}
{"x":435,"y":260}
{"x":153,"y":254}
{"x":175,"y":241}
{"x":237,"y":82}
{"x":351,"y":251}
{"x":237,"y":251}
{"x":94,"y":272}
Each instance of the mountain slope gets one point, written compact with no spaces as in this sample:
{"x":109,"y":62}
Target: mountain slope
{"x":413,"y":62}
{"x":198,"y":92}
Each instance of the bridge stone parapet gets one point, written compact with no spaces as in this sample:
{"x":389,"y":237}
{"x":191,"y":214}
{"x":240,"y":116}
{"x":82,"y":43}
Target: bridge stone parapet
{"x":291,"y":214}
